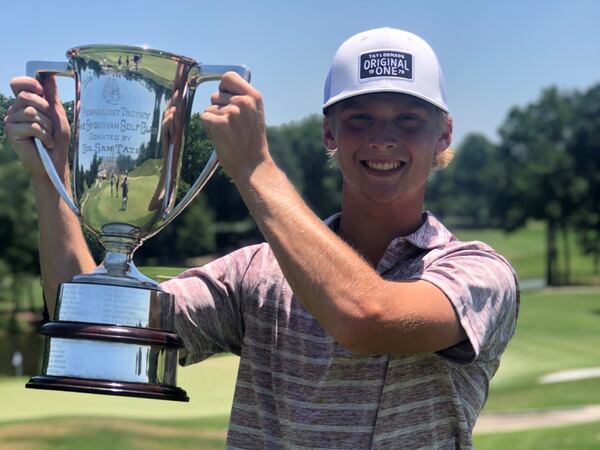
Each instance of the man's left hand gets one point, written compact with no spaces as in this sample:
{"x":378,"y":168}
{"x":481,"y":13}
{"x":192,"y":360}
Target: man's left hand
{"x":235,"y":122}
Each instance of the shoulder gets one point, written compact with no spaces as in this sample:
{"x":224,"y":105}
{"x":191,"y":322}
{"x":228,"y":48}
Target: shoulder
{"x":247,"y":262}
{"x":473,"y":260}
{"x":482,"y":287}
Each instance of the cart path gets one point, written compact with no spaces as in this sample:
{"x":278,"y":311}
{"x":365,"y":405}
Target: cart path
{"x":520,"y":421}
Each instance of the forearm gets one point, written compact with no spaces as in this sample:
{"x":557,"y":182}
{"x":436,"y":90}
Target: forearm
{"x":63,"y":250}
{"x":360,"y":309}
{"x":330,"y":279}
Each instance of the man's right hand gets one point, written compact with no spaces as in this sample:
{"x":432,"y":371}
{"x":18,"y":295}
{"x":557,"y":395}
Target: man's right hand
{"x":38,"y":113}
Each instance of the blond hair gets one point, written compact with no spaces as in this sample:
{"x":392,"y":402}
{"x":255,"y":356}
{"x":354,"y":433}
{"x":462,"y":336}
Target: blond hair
{"x":443,"y":158}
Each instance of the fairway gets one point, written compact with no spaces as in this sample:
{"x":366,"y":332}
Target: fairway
{"x":100,"y":208}
{"x":580,"y":437}
{"x":100,"y":204}
{"x":209,"y":386}
{"x":557,"y":330}
{"x":525,"y":249}
{"x":74,"y":433}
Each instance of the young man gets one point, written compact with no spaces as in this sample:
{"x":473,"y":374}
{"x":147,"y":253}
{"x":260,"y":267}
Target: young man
{"x":377,"y":329}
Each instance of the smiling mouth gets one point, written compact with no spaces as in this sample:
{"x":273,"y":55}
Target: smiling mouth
{"x":383,"y":166}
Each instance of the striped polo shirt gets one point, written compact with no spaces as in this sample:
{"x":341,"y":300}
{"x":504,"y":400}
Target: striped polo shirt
{"x":297,"y":388}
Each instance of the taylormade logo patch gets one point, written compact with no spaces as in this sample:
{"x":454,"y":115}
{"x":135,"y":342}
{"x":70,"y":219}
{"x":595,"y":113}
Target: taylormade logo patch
{"x":386,"y":63}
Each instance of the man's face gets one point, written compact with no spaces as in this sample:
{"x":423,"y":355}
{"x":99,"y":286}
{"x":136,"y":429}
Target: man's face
{"x":385,"y":144}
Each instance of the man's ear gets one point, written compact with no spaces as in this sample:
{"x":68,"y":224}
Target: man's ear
{"x":328,"y":135}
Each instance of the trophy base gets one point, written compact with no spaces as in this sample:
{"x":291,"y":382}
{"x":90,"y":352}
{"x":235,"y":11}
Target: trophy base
{"x":124,"y":389}
{"x":115,"y":340}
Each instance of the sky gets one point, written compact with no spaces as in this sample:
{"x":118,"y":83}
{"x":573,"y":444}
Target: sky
{"x":494,"y":54}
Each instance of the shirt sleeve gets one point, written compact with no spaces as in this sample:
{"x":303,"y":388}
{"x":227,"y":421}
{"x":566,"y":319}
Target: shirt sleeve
{"x":483,"y":289}
{"x":209,"y":306}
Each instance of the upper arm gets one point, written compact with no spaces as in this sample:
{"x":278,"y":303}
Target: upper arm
{"x":466,"y":296}
{"x":483,"y":289}
{"x":407,"y":317}
{"x":209,"y":305}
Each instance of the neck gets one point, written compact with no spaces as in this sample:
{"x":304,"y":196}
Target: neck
{"x":369,"y":228}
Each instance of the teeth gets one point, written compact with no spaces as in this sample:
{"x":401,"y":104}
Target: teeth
{"x":383,"y":166}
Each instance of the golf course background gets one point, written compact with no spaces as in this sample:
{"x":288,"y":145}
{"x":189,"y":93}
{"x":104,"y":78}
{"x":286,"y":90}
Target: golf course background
{"x":557,"y":330}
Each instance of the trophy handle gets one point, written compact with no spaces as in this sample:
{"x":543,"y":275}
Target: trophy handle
{"x":206,"y":73}
{"x":34,"y":69}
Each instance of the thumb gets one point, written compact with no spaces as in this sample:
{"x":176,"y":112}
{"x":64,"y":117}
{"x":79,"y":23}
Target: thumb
{"x":48,"y":81}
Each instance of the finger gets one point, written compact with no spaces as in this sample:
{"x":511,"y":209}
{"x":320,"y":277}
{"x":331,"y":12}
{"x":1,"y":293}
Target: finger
{"x":27,"y":98}
{"x":213,"y":118}
{"x":29,"y":114}
{"x":218,"y":110}
{"x":220,"y":98}
{"x":167,"y":123}
{"x":29,"y":84}
{"x":48,"y":81}
{"x":235,"y":84}
{"x":25,"y":131}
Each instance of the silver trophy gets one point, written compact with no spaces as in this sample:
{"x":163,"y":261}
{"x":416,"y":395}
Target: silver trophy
{"x":113,"y":329}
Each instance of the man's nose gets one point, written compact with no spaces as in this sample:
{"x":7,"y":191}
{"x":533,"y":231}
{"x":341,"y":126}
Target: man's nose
{"x":384,"y":136}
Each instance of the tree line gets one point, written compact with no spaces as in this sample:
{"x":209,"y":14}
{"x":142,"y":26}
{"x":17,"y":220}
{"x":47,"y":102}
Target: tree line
{"x":545,"y":167}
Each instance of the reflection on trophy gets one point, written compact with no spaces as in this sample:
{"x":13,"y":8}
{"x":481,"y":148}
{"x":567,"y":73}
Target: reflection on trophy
{"x":113,"y":329}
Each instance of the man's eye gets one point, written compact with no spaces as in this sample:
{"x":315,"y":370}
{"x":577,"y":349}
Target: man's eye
{"x":409,"y":122}
{"x":359,"y":120}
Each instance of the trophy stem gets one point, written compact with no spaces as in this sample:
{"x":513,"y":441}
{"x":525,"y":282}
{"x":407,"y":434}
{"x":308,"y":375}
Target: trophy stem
{"x":117,"y":264}
{"x":124,"y":245}
{"x":118,"y":267}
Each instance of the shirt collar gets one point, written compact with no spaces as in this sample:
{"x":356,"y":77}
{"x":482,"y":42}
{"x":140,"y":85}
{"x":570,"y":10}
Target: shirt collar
{"x":431,"y":234}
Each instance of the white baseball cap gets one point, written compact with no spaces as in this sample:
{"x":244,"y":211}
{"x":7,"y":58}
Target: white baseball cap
{"x":385,"y":60}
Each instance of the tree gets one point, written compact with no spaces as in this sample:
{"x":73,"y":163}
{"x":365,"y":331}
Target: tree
{"x":298,"y":149}
{"x":539,"y":171}
{"x":585,"y":148}
{"x":125,"y":163}
{"x":190,"y":234}
{"x":193,"y":232}
{"x":18,"y":230}
{"x":231,"y":224}
{"x":5,"y":103}
{"x":464,"y":194}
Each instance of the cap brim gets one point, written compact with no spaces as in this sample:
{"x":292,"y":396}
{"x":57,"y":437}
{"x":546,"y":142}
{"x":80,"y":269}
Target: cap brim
{"x":344,"y":96}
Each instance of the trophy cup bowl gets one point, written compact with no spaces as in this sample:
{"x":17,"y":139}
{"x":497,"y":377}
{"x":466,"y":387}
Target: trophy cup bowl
{"x":113,"y":330}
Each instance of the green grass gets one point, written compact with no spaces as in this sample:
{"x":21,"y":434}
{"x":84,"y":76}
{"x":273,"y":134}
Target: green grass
{"x":100,"y":208}
{"x":526,"y":250}
{"x":100,"y":434}
{"x":149,"y":167}
{"x":579,"y":437}
{"x":557,"y":330}
{"x":209,"y":386}
{"x":161,"y":274}
{"x":52,"y":420}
